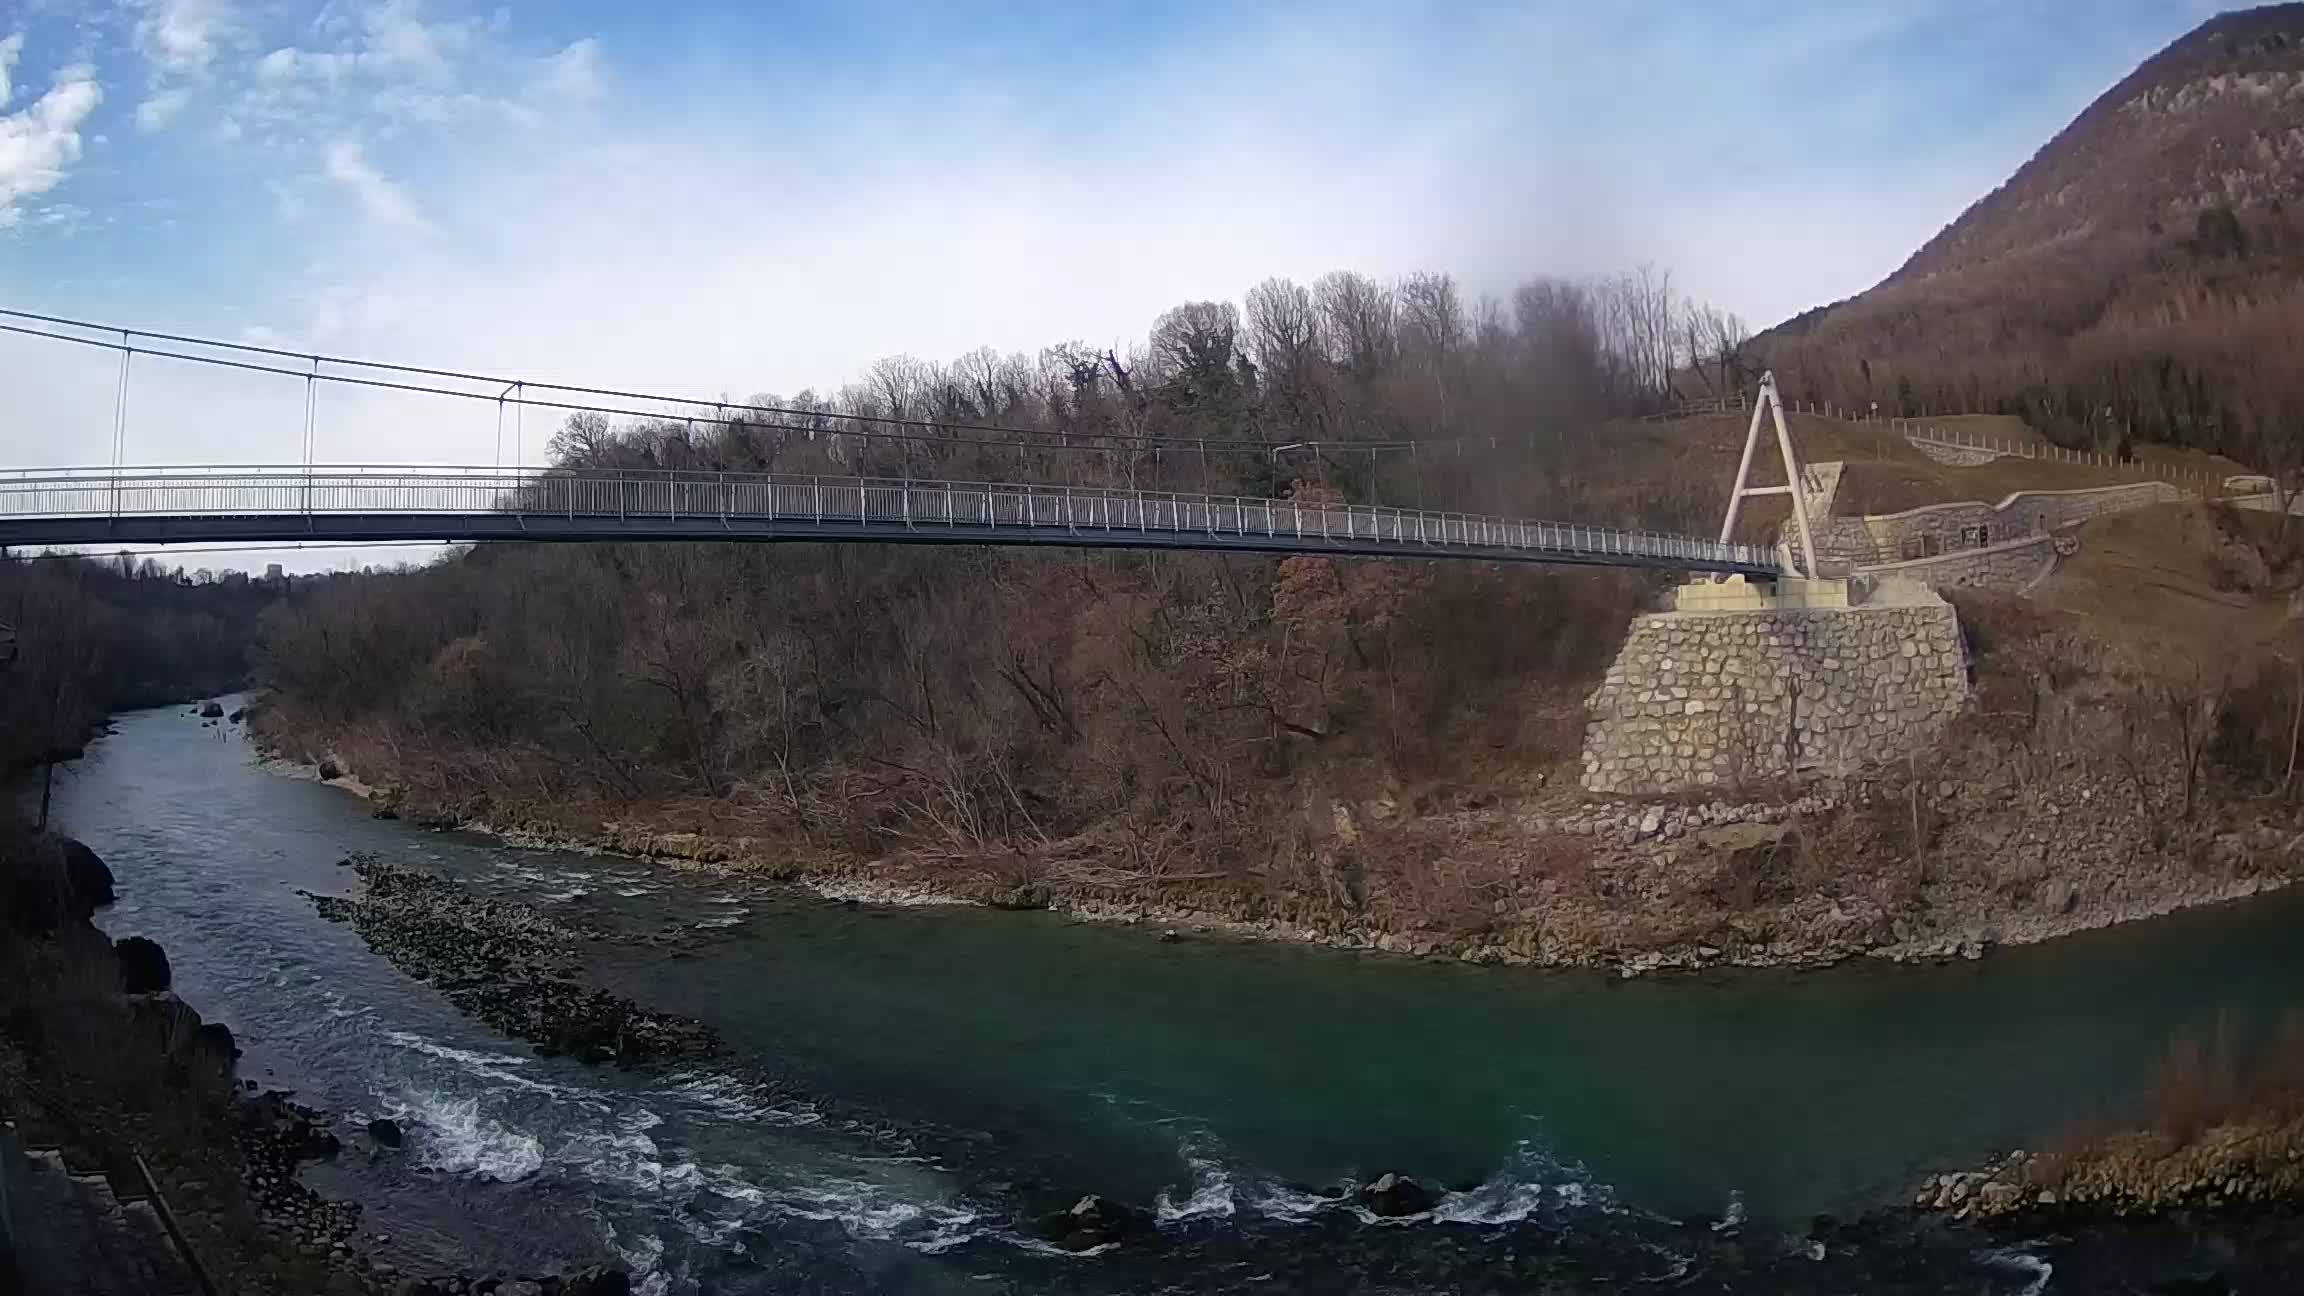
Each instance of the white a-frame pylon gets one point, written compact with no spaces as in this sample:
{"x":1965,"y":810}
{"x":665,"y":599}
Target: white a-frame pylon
{"x":1768,"y":404}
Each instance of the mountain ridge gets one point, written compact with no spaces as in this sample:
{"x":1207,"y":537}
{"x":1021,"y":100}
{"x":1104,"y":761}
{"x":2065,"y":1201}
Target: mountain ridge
{"x":2138,"y":276}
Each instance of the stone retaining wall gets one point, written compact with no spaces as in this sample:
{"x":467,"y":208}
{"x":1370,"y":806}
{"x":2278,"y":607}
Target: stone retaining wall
{"x":1953,"y":526}
{"x":2010,"y":565}
{"x":1714,"y":699}
{"x":1953,"y":456}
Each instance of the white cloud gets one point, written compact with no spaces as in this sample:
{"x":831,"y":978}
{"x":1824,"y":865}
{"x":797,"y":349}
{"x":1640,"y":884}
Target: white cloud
{"x":399,"y":37}
{"x":39,"y":143}
{"x":388,"y":71}
{"x":281,"y":64}
{"x":573,"y":74}
{"x":183,"y":35}
{"x":380,"y":198}
{"x":10,"y":49}
{"x":156,"y":112}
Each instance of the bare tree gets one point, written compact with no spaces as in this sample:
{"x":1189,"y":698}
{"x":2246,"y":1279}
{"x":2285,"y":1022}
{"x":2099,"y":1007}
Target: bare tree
{"x":1713,"y":341}
{"x":1195,"y":346}
{"x":1637,"y":333}
{"x":1359,"y":321}
{"x":583,"y":441}
{"x":1284,"y":336}
{"x":1559,"y":333}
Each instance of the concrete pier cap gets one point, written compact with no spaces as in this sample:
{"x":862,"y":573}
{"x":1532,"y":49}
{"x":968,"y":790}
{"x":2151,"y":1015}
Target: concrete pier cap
{"x":1794,"y":593}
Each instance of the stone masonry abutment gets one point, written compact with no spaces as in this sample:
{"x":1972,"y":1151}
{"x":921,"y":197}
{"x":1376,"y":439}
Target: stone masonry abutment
{"x":1711,"y":699}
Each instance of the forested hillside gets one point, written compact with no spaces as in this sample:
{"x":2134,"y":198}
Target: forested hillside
{"x":100,"y":635}
{"x":1155,"y":713}
{"x":2142,"y":277}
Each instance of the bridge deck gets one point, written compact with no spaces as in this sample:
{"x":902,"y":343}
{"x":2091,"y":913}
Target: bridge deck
{"x":161,"y":506}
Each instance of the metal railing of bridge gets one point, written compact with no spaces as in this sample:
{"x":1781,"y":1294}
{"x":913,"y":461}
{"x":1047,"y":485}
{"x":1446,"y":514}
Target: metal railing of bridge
{"x":329,"y":498}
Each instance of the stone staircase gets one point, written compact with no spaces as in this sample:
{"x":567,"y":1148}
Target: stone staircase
{"x":72,"y":1226}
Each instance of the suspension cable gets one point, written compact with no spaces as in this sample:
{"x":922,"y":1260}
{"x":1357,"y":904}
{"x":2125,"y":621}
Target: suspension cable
{"x":870,"y":423}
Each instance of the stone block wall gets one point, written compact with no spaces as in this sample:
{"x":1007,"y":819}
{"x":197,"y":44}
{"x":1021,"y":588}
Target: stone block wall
{"x":1953,"y":456}
{"x":1883,"y":537}
{"x":2049,"y":510}
{"x":1699,"y":700}
{"x":2012,"y":565}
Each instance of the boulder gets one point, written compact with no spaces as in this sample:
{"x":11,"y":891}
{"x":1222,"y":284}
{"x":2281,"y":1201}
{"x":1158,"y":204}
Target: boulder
{"x":292,"y":1128}
{"x":172,"y":1025}
{"x":386,"y":1133}
{"x":329,"y":771}
{"x":143,"y":966}
{"x":1996,"y":1197}
{"x":1392,"y":1194}
{"x":237,"y":716}
{"x":315,"y":1143}
{"x":211,"y":710}
{"x":1092,"y":1222}
{"x":214,"y":1040}
{"x":86,"y":874}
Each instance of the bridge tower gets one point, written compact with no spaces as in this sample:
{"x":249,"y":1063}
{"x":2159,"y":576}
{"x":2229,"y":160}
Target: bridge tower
{"x":1769,"y":405}
{"x":1741,"y":683}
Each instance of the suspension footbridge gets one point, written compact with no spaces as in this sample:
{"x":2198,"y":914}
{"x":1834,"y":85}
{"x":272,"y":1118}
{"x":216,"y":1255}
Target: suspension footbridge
{"x":123,"y":504}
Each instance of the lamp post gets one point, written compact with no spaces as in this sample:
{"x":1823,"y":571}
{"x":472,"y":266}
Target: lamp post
{"x":1275,"y":453}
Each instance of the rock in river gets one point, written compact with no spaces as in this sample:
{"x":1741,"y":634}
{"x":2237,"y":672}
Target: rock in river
{"x":1395,"y":1195}
{"x":386,"y":1133}
{"x":1092,"y":1222}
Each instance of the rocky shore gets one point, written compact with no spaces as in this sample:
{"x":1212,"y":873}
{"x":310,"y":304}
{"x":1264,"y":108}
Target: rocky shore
{"x":1651,"y":874}
{"x":509,"y":966}
{"x":129,"y":1074}
{"x":2250,"y":1161}
{"x":2129,"y":1218}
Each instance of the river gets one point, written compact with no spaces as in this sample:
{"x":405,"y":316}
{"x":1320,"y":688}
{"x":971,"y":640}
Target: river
{"x":967,"y":1060}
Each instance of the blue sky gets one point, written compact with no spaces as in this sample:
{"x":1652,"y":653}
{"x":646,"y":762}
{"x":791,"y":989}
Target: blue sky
{"x":738,"y":197}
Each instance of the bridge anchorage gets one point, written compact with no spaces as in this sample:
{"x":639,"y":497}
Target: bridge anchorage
{"x":1753,"y":679}
{"x":122,"y":504}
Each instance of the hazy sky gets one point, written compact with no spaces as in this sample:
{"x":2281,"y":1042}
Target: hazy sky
{"x":739,"y":197}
